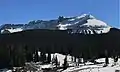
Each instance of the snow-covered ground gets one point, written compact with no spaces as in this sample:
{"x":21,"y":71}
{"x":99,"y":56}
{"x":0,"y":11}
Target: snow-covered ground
{"x":5,"y":70}
{"x":92,"y":68}
{"x":61,"y":58}
{"x":87,"y":67}
{"x":97,"y":67}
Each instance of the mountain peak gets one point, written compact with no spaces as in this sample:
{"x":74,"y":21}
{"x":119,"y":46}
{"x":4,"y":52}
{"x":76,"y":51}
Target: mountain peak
{"x":85,"y":23}
{"x":86,"y":15}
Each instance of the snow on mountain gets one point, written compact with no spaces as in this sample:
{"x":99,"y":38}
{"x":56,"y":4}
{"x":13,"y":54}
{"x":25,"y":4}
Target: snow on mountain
{"x":85,"y":23}
{"x":84,"y":16}
{"x":63,"y":27}
{"x":12,"y":30}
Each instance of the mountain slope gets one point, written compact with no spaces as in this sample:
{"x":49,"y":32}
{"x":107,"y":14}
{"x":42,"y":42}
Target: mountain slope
{"x":86,"y":24}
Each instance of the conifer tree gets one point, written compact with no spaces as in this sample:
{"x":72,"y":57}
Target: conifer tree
{"x":65,"y":63}
{"x":36,"y":56}
{"x":43,"y":57}
{"x":49,"y":58}
{"x":56,"y":61}
{"x":106,"y":57}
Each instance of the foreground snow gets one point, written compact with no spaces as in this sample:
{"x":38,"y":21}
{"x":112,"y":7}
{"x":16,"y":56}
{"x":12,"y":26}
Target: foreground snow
{"x":88,"y":67}
{"x":5,"y":70}
{"x":97,"y":67}
{"x":92,"y":68}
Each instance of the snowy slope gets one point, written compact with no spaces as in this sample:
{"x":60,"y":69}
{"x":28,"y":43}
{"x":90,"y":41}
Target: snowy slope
{"x":84,"y":24}
{"x":11,"y":30}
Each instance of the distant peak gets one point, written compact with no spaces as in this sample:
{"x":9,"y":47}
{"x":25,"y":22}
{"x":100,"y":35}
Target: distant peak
{"x":86,"y":15}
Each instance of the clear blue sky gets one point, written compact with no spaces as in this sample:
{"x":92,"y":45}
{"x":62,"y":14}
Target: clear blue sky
{"x":22,"y":11}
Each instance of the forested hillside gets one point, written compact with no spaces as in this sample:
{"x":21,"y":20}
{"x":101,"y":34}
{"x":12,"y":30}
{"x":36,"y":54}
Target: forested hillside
{"x":17,"y":48}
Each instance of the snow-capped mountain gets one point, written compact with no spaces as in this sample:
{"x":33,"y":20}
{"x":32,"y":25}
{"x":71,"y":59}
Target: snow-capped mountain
{"x":86,"y":24}
{"x":11,"y":30}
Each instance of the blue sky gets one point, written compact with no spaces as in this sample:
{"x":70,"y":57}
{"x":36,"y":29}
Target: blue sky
{"x":22,"y":11}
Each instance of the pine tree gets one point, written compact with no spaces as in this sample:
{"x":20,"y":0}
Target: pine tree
{"x":79,"y":61}
{"x":43,"y":57}
{"x":49,"y":58}
{"x":26,"y":53}
{"x":74,"y":59}
{"x":11,"y":63}
{"x":65,"y":63}
{"x":36,"y":56}
{"x":53,"y":59}
{"x":106,"y":57}
{"x":56,"y":61}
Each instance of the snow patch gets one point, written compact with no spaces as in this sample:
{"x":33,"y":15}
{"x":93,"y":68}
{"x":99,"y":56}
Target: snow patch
{"x":63,"y":26}
{"x":94,"y":22}
{"x":71,"y":19}
{"x":84,"y":15}
{"x":47,"y":66}
{"x":12,"y":30}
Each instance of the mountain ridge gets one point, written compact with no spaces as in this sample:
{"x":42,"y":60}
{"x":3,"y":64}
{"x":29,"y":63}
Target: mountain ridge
{"x":84,"y":23}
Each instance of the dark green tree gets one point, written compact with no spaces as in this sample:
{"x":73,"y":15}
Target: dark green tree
{"x":36,"y":57}
{"x":106,"y":57}
{"x":56,"y":61}
{"x":53,"y":59}
{"x":49,"y":58}
{"x":43,"y":57}
{"x":28,"y":54}
{"x":74,"y":59}
{"x":65,"y":64}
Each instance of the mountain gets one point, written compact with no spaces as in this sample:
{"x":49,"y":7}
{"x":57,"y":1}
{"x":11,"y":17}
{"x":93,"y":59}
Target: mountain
{"x":10,"y":28}
{"x":86,"y":24}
